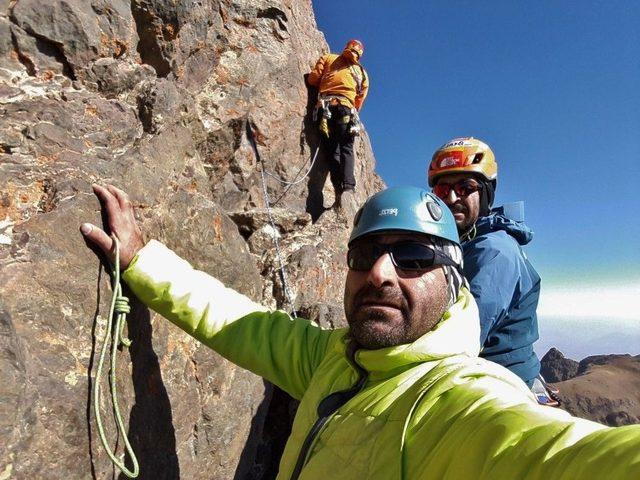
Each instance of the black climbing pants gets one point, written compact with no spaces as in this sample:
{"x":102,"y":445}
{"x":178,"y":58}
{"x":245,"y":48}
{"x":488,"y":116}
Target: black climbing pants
{"x":338,"y":148}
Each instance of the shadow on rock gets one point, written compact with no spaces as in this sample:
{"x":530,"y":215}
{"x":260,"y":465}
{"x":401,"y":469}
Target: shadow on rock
{"x":256,"y":455}
{"x":270,"y":431}
{"x":90,"y":370}
{"x":151,"y":429}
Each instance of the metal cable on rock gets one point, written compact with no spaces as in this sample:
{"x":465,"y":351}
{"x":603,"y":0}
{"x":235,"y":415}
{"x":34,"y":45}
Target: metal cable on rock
{"x":120,"y":307}
{"x":291,"y":184}
{"x":283,"y":273}
{"x":278,"y":178}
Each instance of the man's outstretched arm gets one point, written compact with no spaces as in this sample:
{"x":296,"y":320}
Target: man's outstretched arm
{"x":491,"y":427}
{"x":270,"y":344}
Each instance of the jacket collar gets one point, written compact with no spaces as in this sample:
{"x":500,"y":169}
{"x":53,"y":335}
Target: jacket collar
{"x":457,"y":333}
{"x":496,"y":221}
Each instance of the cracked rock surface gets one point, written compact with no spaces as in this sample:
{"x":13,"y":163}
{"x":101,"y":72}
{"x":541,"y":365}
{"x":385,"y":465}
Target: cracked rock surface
{"x":154,"y":97}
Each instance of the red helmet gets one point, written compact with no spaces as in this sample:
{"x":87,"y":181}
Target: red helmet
{"x":355,"y":46}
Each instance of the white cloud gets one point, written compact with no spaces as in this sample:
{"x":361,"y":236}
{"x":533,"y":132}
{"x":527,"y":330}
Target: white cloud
{"x":613,"y":302}
{"x":581,"y":318}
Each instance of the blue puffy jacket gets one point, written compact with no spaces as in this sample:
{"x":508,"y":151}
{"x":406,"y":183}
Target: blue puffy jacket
{"x":506,"y":288}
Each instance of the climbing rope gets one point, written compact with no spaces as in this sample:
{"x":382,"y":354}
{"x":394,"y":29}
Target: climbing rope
{"x":119,"y":306}
{"x":283,"y":273}
{"x":294,"y":182}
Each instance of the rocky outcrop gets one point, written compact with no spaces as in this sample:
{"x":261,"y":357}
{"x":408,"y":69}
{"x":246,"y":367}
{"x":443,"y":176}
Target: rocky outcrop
{"x":555,"y":367}
{"x":154,"y":96}
{"x":604,"y":388}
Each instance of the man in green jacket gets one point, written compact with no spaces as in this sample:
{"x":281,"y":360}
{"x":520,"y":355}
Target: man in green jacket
{"x":401,"y":393}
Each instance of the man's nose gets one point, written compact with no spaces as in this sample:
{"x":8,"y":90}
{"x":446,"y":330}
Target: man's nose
{"x":383,"y":271}
{"x":451,"y":197}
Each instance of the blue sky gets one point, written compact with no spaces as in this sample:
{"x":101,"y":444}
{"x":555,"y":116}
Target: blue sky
{"x":553,"y":87}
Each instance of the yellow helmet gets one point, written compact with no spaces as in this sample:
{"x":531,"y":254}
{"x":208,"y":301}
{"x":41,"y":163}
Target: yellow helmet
{"x":463,"y":155}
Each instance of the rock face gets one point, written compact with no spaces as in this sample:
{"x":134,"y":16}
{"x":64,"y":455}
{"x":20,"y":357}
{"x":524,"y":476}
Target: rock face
{"x":555,"y":367}
{"x":154,"y":96}
{"x":604,"y":388}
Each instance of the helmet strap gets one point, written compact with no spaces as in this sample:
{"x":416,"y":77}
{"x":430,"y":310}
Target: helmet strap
{"x":453,"y":274}
{"x":455,"y":280}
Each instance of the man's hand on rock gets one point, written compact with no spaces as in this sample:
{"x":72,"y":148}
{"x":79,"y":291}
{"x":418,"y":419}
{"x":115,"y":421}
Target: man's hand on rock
{"x":121,"y":222}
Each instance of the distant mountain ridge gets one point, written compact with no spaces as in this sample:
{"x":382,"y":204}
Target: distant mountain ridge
{"x":605,"y":335}
{"x":603,"y":388}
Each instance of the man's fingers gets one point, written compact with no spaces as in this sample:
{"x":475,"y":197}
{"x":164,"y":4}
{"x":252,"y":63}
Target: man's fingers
{"x":121,"y":196}
{"x":118,"y":215}
{"x":108,"y":200}
{"x":98,"y":237}
{"x":125,"y":205}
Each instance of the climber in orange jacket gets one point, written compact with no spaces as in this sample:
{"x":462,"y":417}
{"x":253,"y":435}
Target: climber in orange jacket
{"x":342,"y":87}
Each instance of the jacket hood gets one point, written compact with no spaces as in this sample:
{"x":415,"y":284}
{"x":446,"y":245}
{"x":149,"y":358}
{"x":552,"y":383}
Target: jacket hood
{"x":457,"y":333}
{"x":497,"y":221}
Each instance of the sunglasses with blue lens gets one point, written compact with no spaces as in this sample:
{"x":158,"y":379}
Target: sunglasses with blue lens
{"x":410,"y":256}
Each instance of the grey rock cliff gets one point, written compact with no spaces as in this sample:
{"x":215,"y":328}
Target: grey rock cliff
{"x":153,"y":96}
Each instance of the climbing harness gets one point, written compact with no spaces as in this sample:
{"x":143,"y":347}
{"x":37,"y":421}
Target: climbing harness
{"x":323,"y":126}
{"x":322,"y":110}
{"x":283,"y":273}
{"x":120,"y":307}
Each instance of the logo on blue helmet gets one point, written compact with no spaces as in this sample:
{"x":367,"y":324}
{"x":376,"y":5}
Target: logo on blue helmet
{"x":388,"y":211}
{"x":405,"y":209}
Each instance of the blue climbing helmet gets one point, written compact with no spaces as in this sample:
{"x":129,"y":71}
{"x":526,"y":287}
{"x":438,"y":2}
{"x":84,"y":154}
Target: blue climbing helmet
{"x":414,"y":210}
{"x":405,"y":209}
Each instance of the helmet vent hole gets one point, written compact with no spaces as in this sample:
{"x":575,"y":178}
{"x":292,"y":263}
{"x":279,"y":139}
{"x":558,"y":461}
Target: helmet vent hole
{"x":477,"y":158}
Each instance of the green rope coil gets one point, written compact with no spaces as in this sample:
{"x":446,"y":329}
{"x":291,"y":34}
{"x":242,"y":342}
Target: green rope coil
{"x":120,"y":307}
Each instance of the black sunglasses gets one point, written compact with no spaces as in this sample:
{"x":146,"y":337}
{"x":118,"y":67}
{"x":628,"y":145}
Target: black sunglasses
{"x":404,"y":255}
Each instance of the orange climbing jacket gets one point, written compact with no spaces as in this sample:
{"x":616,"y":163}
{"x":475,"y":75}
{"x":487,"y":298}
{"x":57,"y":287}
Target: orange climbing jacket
{"x":336,"y":76}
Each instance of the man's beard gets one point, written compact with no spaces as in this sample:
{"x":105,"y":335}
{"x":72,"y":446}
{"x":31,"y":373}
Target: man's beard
{"x":467,"y":224}
{"x":365,"y":322}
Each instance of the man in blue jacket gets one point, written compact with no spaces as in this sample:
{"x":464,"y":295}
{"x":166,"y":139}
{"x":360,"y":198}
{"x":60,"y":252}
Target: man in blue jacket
{"x":463,"y":173}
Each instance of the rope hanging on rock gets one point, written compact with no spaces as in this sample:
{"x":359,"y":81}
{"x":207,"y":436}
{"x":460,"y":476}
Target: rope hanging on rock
{"x":288,"y":184}
{"x":283,"y":273}
{"x":120,"y":307}
{"x":294,"y":181}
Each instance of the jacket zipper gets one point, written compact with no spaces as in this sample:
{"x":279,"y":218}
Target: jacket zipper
{"x":326,"y":408}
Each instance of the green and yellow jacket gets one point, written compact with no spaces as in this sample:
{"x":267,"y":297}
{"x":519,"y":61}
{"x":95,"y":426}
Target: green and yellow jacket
{"x":427,"y":410}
